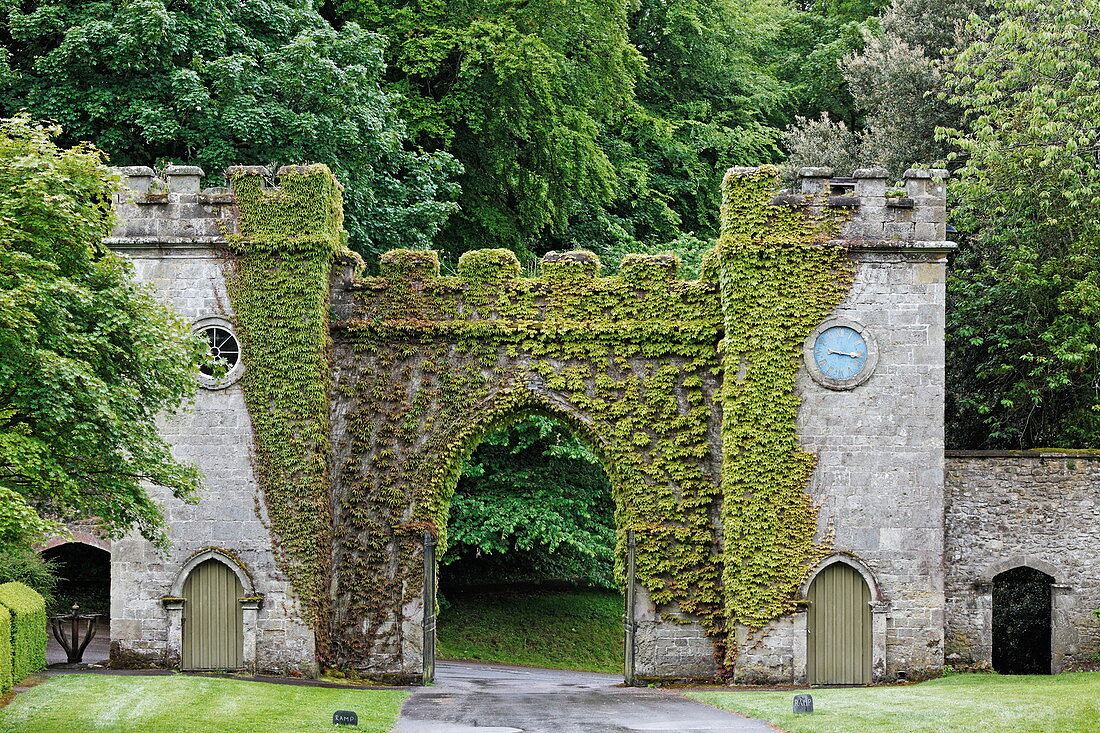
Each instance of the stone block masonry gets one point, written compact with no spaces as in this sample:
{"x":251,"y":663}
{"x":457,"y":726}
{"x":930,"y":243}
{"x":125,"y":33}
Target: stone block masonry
{"x":540,"y":344}
{"x":1039,"y":509}
{"x":173,"y":232}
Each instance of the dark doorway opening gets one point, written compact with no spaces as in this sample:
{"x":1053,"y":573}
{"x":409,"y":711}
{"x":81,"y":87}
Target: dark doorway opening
{"x":84,"y":578}
{"x":528,"y":574}
{"x":1022,"y":621}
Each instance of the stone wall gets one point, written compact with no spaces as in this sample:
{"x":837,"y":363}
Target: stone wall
{"x":879,"y":476}
{"x":1035,"y":508}
{"x":172,"y":232}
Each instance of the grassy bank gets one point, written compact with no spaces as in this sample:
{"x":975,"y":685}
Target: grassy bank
{"x":989,"y":703}
{"x":544,"y":628}
{"x":124,"y":704}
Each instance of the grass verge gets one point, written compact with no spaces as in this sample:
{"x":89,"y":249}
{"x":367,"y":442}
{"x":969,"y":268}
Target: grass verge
{"x":559,"y":629}
{"x":96,"y":702}
{"x":989,"y":703}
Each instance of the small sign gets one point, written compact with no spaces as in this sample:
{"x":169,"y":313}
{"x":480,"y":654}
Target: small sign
{"x":803,"y":704}
{"x":345,"y":717}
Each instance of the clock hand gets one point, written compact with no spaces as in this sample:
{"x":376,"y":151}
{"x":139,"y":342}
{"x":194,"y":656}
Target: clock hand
{"x":846,"y":353}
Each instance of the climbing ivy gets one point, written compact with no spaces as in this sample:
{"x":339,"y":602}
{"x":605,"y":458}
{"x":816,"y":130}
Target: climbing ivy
{"x":282,"y":256}
{"x":780,"y":278}
{"x":685,"y":390}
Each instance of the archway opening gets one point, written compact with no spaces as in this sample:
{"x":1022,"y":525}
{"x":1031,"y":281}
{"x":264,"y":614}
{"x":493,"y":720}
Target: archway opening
{"x":528,"y":574}
{"x":83,"y":578}
{"x":1022,"y":621}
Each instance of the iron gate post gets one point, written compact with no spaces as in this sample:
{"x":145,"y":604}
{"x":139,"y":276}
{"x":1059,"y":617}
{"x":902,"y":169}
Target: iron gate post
{"x":628,"y":616}
{"x":429,"y":608}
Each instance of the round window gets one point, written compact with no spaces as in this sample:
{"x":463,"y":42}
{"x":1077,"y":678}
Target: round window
{"x":223,"y":365}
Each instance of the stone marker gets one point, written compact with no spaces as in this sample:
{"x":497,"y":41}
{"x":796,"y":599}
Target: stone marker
{"x":803,"y":704}
{"x":345,"y":717}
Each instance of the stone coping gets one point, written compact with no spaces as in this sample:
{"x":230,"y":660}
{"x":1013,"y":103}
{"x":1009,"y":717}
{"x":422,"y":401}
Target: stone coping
{"x":1092,"y":454}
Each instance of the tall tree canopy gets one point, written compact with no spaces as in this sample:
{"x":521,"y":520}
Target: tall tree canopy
{"x":895,"y":77}
{"x":1024,"y":338}
{"x":87,"y":357}
{"x":226,"y":82}
{"x":582,"y":123}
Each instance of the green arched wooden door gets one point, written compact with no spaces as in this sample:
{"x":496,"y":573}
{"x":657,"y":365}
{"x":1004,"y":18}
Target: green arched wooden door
{"x":212,"y":622}
{"x":838,"y":650}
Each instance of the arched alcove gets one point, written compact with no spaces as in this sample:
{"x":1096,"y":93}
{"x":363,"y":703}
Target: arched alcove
{"x":84,"y":577}
{"x":212,"y":612}
{"x":1021,"y":624}
{"x":841,"y":638}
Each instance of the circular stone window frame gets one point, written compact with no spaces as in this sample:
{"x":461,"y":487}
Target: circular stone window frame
{"x":235,"y":373}
{"x":840,"y":385}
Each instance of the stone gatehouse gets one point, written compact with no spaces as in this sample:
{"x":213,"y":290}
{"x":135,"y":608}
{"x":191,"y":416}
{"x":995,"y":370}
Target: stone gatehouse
{"x":907,"y":542}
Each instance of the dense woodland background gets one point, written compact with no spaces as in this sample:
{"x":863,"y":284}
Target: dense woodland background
{"x":605,"y":125}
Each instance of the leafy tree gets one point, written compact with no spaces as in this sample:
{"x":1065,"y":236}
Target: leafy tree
{"x":1024,"y":329}
{"x":584,"y":123}
{"x":816,"y":37}
{"x":224,"y":82}
{"x":88,"y":358}
{"x":706,"y":99}
{"x":519,"y":94}
{"x":532,"y":504}
{"x":32,"y":570}
{"x":895,"y":76}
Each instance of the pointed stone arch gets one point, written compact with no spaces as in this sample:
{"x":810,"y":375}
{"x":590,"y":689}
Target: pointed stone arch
{"x":250,"y":603}
{"x":879,"y":607}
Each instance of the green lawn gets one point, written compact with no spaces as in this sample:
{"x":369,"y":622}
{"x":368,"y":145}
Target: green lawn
{"x":983,"y":703}
{"x":544,"y":628}
{"x":180,"y":703}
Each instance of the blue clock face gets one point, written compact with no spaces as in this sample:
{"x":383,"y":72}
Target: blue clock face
{"x":840,"y":352}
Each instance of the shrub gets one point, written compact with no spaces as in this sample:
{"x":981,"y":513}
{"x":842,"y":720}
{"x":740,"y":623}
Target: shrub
{"x":30,"y":569}
{"x":28,"y":628}
{"x":5,"y":650}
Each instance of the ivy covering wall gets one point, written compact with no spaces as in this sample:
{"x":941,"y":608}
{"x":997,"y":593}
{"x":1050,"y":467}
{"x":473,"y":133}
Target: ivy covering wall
{"x":684,"y":388}
{"x":283,"y":255}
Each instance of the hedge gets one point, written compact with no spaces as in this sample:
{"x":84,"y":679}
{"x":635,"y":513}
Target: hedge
{"x":28,"y":628}
{"x":5,"y":650}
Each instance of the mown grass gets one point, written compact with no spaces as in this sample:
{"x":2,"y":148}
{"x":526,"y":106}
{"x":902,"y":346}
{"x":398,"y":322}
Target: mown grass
{"x":120,"y":704}
{"x":984,"y":703}
{"x":559,"y":629}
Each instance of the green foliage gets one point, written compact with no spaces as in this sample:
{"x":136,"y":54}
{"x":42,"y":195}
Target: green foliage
{"x":88,"y":359}
{"x":289,"y":239}
{"x":6,"y":658}
{"x":629,"y":364}
{"x":28,"y":628}
{"x":544,"y":627}
{"x":1024,"y":324}
{"x":30,"y":569}
{"x":518,"y":93}
{"x":893,"y":73}
{"x":779,"y":280}
{"x":222,"y":83}
{"x":583,"y":124}
{"x":532,"y":504}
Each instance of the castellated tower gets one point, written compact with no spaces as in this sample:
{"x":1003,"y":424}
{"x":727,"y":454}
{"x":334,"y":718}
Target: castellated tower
{"x":641,"y":364}
{"x":175,"y":233}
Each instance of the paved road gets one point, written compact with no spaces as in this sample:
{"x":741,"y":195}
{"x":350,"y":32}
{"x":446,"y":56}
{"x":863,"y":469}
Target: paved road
{"x":486,"y":698}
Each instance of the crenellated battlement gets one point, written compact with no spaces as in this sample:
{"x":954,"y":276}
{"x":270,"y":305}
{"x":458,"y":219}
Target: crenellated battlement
{"x":172,"y":208}
{"x":881,"y":215}
{"x":489,"y":287}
